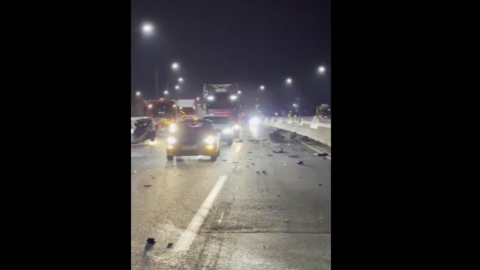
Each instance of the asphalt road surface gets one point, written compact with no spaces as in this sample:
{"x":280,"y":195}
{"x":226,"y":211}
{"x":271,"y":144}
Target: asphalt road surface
{"x":229,"y":214}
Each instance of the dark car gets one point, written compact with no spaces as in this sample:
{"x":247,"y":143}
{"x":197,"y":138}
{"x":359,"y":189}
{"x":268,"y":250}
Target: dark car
{"x":143,"y":129}
{"x":225,"y":126}
{"x":193,"y":138}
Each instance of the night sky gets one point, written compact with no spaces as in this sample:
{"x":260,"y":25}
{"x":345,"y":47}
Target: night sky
{"x":251,"y":43}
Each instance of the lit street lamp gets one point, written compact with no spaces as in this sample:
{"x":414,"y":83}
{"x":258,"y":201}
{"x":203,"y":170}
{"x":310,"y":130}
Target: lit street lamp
{"x":262,"y":87}
{"x":198,"y":98}
{"x":147,"y":28}
{"x":165,"y":92}
{"x":239,"y":92}
{"x":289,"y":81}
{"x":175,"y":66}
{"x":138,"y":93}
{"x":295,"y":105}
{"x":177,"y":87}
{"x":180,"y":79}
{"x":321,"y":69}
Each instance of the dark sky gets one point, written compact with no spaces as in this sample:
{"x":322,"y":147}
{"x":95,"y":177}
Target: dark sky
{"x":249,"y":42}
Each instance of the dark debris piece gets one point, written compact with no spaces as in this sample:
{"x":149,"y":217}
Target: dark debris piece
{"x":300,"y":162}
{"x":279,"y":151}
{"x":151,"y":241}
{"x":147,"y":185}
{"x":264,"y":172}
{"x":321,"y":154}
{"x":169,"y":245}
{"x":293,"y":156}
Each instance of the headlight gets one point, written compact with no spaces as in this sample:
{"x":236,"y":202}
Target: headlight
{"x":253,"y":121}
{"x":228,"y":131}
{"x":236,"y":127}
{"x":171,"y":140}
{"x":172,"y":127}
{"x":210,"y":140}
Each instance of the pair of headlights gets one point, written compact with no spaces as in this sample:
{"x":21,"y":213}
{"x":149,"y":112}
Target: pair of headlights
{"x":209,"y":140}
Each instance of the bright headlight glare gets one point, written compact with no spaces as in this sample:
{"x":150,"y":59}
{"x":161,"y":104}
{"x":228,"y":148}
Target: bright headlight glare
{"x":254,"y":121}
{"x":171,"y":140}
{"x":236,"y":127}
{"x":210,"y":140}
{"x":227,"y":130}
{"x":210,"y":97}
{"x":172,"y":127}
{"x":132,"y":130}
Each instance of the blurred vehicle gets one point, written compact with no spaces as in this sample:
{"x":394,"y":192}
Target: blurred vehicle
{"x":193,"y":138}
{"x":163,"y":112}
{"x":142,"y":129}
{"x":187,"y":108}
{"x":225,"y":125}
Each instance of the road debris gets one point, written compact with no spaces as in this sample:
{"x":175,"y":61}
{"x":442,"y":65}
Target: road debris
{"x":147,"y":185}
{"x":279,"y":151}
{"x":286,"y":220}
{"x":169,"y":245}
{"x":253,"y":141}
{"x":264,"y":247}
{"x":276,"y":136}
{"x":264,"y":172}
{"x":293,"y":135}
{"x":319,"y":184}
{"x":258,"y":172}
{"x":153,"y":177}
{"x":320,"y":154}
{"x":253,"y":163}
{"x":278,"y":194}
{"x":270,"y":155}
{"x":239,"y":141}
{"x":300,"y":162}
{"x":293,"y":156}
{"x":224,"y":160}
{"x":151,"y":241}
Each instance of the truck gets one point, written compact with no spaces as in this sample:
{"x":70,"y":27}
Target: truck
{"x":220,"y":99}
{"x":163,"y":112}
{"x":187,"y":108}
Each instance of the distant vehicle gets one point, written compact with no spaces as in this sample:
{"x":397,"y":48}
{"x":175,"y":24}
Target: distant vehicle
{"x":220,"y":100}
{"x":187,"y":108}
{"x":224,"y":125}
{"x":163,"y":112}
{"x":193,"y":138}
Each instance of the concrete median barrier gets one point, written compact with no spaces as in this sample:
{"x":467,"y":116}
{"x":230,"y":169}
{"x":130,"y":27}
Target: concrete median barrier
{"x":313,"y":127}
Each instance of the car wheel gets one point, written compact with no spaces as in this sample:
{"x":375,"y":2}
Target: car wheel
{"x":213,"y":158}
{"x":152,"y":138}
{"x":169,"y":157}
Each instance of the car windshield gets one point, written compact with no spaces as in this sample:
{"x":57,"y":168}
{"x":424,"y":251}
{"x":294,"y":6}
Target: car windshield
{"x":194,"y":128}
{"x":219,"y":120}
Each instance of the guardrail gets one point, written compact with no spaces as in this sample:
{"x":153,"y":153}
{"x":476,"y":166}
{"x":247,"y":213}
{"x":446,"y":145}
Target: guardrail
{"x":314,"y":127}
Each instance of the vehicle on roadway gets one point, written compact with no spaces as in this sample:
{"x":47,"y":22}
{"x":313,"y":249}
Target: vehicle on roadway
{"x":142,"y":129}
{"x":225,"y":126}
{"x":193,"y":138}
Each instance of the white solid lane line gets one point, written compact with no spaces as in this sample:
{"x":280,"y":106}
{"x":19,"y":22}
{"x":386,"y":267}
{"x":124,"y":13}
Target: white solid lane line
{"x":190,"y":233}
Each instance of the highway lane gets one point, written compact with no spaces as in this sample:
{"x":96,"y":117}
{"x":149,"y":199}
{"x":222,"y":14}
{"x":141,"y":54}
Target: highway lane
{"x":279,"y":219}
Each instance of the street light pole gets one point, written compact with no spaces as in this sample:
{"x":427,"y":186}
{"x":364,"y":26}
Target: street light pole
{"x":156,"y":84}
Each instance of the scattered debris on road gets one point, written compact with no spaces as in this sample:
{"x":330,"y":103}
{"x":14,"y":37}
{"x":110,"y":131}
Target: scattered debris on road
{"x":319,"y":184}
{"x":169,"y":245}
{"x":278,"y":194}
{"x":153,"y":177}
{"x":286,"y":220}
{"x":151,"y":241}
{"x":276,"y":136}
{"x":293,"y":135}
{"x":253,"y":163}
{"x":264,"y":247}
{"x":254,"y":141}
{"x":147,"y":185}
{"x":279,"y":151}
{"x":320,"y":154}
{"x":293,"y":156}
{"x":300,"y":162}
{"x":239,"y":141}
{"x":258,"y":172}
{"x":224,"y":160}
{"x":270,"y":155}
{"x":264,"y":172}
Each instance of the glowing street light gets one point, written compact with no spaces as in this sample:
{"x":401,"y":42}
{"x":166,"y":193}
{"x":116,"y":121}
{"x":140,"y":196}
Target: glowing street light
{"x":289,"y":81}
{"x":177,"y":87}
{"x":138,"y":93}
{"x":165,"y":92}
{"x":180,"y":79}
{"x":321,"y":69}
{"x":198,"y":98}
{"x":295,"y":105}
{"x":147,"y":28}
{"x":262,"y":87}
{"x":239,"y":92}
{"x":175,"y":66}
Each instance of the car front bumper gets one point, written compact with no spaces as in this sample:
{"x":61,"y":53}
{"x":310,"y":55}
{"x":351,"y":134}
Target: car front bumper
{"x":196,"y":150}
